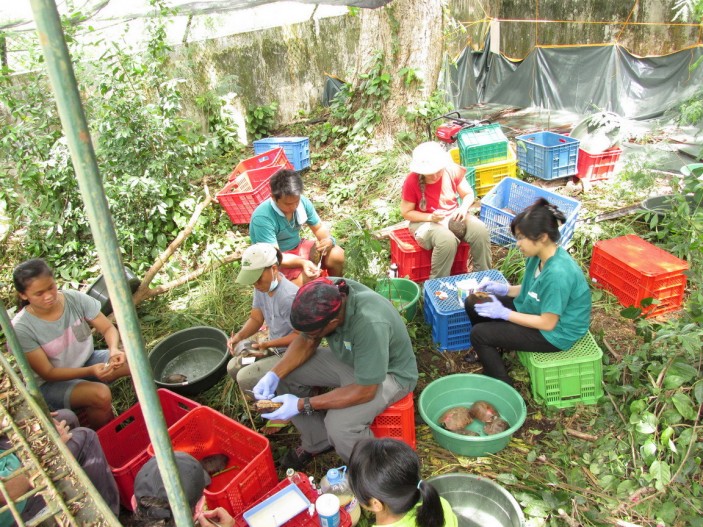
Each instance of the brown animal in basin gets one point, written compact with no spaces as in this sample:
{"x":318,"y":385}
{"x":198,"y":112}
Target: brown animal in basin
{"x":455,"y":419}
{"x":496,"y":426}
{"x":484,"y":411}
{"x":175,"y":378}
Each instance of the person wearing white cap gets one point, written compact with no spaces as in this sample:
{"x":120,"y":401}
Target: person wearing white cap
{"x":271,"y":305}
{"x":429,"y":202}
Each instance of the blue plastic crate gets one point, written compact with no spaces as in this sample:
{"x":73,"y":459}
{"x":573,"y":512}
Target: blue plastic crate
{"x":297,"y":149}
{"x":447,"y":318}
{"x":547,"y":155}
{"x":510,"y":197}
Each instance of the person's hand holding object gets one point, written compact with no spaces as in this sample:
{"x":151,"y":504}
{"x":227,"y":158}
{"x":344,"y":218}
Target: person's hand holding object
{"x":266,"y":387}
{"x":495,"y":288}
{"x":288,"y":410}
{"x":493,"y":309}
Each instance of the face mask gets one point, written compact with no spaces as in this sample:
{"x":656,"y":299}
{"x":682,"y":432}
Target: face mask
{"x":274,"y":282}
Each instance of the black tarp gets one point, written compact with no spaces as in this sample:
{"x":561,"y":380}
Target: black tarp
{"x":581,"y":79}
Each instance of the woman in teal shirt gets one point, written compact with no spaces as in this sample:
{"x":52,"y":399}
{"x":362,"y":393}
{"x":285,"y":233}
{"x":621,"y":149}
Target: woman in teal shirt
{"x":548,"y":312}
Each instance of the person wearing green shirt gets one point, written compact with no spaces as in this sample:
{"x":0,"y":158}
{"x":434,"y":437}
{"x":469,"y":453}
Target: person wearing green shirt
{"x":384,"y":475}
{"x":370,"y":364}
{"x":548,"y":312}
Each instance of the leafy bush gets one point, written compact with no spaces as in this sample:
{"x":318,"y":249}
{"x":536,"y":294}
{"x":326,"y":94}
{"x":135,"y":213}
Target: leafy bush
{"x":261,"y":120}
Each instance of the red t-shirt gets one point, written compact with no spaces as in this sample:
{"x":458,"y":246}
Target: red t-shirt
{"x":440,"y":195}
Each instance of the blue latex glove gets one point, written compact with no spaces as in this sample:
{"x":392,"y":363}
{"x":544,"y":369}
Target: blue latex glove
{"x":495,"y":288}
{"x":493,"y":309}
{"x":288,"y":410}
{"x":266,"y":387}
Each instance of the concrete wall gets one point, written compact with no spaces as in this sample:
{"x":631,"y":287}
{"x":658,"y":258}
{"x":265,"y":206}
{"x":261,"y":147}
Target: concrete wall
{"x":287,"y":64}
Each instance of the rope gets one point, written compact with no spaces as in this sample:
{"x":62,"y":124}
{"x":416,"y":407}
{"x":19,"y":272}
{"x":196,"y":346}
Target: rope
{"x":617,"y":38}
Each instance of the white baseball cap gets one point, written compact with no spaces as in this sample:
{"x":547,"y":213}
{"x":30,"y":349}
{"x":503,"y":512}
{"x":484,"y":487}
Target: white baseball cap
{"x":254,"y":260}
{"x":429,"y":158}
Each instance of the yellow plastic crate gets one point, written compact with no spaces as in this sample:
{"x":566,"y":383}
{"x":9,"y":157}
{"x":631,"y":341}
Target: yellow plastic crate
{"x":490,"y":174}
{"x":454,"y":152}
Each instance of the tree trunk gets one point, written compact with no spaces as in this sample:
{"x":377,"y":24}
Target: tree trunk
{"x":409,"y":33}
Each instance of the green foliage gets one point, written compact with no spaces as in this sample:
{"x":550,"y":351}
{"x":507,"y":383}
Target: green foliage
{"x":512,"y":266}
{"x":261,"y":120}
{"x":423,"y":112}
{"x":356,"y":110}
{"x":149,"y":157}
{"x":363,"y":252}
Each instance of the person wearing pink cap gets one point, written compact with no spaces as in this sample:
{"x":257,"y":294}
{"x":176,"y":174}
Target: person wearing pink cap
{"x":429,"y":202}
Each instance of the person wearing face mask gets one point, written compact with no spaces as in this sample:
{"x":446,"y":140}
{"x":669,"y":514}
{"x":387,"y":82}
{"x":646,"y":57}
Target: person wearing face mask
{"x":279,"y":220}
{"x":429,"y":202}
{"x":271,"y":305}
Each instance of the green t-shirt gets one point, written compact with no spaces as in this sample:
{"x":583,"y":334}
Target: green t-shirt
{"x":269,"y":225}
{"x":450,"y":519}
{"x":561,"y":289}
{"x":373,"y":339}
{"x":8,"y":464}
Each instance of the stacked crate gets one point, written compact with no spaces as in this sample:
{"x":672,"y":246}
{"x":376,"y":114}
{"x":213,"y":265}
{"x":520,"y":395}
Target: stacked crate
{"x":547,"y":155}
{"x":633,"y":269}
{"x":248,"y":184}
{"x":485,"y":153}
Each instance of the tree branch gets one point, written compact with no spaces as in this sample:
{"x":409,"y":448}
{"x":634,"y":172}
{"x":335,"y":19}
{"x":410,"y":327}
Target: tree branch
{"x":144,"y":291}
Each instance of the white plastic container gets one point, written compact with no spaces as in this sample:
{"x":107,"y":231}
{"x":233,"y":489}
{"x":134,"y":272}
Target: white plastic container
{"x":327,"y":507}
{"x":336,"y":482}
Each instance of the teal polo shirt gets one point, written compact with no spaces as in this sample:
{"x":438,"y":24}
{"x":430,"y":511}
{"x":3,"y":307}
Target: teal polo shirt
{"x":268,"y":225}
{"x":562,"y":289}
{"x":373,"y":339}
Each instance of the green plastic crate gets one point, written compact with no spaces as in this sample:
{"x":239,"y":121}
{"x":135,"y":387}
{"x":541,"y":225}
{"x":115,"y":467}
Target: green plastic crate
{"x":566,"y":378}
{"x":483,"y":144}
{"x":470,"y":178}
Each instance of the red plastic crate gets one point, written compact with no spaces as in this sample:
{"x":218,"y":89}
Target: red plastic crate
{"x":245,"y":192}
{"x":597,"y":167}
{"x":397,"y":421}
{"x":204,"y":432}
{"x":272,"y":158}
{"x":415,"y":262}
{"x":302,"y":519}
{"x":125,"y":440}
{"x":633,"y":269}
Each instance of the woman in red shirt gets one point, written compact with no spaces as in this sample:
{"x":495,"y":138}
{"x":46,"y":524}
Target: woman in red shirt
{"x":429,"y":202}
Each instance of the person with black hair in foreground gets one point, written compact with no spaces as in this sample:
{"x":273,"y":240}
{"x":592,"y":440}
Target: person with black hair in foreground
{"x":369,"y":365}
{"x":384,"y":475}
{"x":548,"y":312}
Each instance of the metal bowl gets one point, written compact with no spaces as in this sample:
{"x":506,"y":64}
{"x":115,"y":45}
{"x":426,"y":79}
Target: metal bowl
{"x":199,"y":353}
{"x":478,"y":501}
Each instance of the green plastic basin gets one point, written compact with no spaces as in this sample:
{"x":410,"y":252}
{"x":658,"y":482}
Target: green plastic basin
{"x":403,"y":293}
{"x":200,"y":353}
{"x":464,"y":389}
{"x":478,"y":501}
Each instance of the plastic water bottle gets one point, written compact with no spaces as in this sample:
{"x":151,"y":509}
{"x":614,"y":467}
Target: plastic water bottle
{"x":393,"y":270}
{"x":336,"y":482}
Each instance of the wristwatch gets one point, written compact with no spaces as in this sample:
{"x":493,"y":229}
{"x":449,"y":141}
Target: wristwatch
{"x":307,"y":407}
